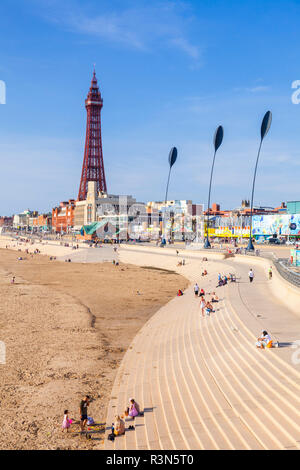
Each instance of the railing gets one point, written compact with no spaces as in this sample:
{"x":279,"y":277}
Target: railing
{"x":286,"y":272}
{"x":282,"y":265}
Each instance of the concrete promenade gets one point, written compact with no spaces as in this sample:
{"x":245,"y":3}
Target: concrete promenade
{"x":201,"y":381}
{"x":84,"y":254}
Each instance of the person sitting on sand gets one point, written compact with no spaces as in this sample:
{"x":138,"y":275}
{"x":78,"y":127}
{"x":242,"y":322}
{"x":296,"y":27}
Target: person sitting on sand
{"x":119,"y":426}
{"x":13,"y":280}
{"x":66,"y":422}
{"x":265,"y":341}
{"x":180,"y":293}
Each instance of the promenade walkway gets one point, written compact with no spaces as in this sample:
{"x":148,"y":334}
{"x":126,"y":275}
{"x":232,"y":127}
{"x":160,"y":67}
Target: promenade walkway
{"x":201,"y":381}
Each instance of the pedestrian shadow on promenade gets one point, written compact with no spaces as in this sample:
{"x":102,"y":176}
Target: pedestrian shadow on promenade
{"x":285,"y":344}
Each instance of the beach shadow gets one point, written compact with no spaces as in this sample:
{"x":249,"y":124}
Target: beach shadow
{"x":149,"y":410}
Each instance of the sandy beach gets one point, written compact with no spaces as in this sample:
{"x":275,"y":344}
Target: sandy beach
{"x":66,"y":327}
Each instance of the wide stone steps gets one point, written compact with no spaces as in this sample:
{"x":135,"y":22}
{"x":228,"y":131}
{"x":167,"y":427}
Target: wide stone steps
{"x":202,"y":382}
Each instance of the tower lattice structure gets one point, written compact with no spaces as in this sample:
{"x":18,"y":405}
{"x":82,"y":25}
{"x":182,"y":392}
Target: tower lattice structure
{"x":93,"y":165}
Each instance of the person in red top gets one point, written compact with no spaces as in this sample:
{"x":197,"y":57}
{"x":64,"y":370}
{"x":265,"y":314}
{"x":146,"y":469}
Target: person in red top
{"x":202,"y":293}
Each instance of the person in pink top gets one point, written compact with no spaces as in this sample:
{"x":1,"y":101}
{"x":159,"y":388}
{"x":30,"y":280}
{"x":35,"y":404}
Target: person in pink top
{"x":66,"y":422}
{"x":133,"y":409}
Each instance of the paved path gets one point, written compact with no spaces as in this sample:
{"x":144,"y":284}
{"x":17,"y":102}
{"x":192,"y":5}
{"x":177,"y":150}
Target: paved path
{"x":91,"y":255}
{"x":201,"y":381}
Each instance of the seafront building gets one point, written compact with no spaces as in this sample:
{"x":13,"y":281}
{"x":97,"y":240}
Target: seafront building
{"x":63,"y":217}
{"x":6,"y":221}
{"x":105,"y":215}
{"x":42,"y":223}
{"x":181,"y":218}
{"x":282,"y":221}
{"x":24,"y":219}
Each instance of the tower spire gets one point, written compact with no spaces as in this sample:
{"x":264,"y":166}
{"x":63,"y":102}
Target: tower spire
{"x":93,"y":165}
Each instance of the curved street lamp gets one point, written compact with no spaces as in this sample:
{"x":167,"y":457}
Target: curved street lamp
{"x":172,"y":159}
{"x":265,"y":127}
{"x":218,"y":139}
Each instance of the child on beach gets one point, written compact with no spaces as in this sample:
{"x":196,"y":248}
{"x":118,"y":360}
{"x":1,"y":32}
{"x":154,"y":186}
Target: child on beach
{"x":66,"y":422}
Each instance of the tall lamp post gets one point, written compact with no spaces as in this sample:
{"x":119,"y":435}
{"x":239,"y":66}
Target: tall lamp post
{"x":218,"y":139}
{"x":265,"y":127}
{"x":172,"y":159}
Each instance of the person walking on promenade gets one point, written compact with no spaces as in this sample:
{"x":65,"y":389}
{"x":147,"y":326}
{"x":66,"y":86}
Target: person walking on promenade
{"x":196,"y":289}
{"x":270,"y":272}
{"x":202,"y":305}
{"x":83,"y":411}
{"x":251,"y":275}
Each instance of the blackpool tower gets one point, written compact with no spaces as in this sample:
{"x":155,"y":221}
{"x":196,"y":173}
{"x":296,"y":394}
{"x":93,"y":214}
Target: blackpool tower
{"x":93,"y":166}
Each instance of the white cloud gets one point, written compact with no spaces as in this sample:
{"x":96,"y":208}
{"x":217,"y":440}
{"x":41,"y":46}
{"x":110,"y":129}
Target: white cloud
{"x":144,"y":27}
{"x":258,"y":89}
{"x":183,"y":44}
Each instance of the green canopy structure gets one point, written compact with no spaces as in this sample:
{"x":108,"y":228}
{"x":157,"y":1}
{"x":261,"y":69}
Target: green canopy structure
{"x":90,"y":229}
{"x":94,"y":227}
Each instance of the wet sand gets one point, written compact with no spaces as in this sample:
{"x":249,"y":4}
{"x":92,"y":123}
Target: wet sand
{"x":66,"y":327}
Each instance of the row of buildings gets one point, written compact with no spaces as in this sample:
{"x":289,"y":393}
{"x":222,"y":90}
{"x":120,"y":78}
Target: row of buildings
{"x":112,"y":216}
{"x":107,"y":216}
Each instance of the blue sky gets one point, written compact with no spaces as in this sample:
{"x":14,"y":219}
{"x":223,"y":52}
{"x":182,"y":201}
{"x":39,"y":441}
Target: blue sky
{"x":170,"y":72}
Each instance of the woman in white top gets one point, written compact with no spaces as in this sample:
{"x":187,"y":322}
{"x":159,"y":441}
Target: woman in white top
{"x":264,"y":340}
{"x":202,"y":305}
{"x":251,"y":275}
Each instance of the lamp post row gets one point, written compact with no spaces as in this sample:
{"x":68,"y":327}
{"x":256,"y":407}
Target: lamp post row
{"x":218,"y":139}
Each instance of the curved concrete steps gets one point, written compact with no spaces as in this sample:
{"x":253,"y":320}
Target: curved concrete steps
{"x":202,"y":382}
